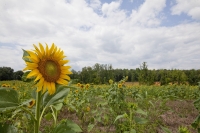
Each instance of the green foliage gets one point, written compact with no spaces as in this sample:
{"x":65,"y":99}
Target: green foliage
{"x":101,"y":73}
{"x":67,"y":126}
{"x":7,"y":128}
{"x":18,"y":75}
{"x":8,"y":98}
{"x":56,"y":98}
{"x":117,"y":107}
{"x":6,"y":73}
{"x":196,"y":123}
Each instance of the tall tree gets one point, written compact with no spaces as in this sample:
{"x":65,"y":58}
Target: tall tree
{"x":6,"y":73}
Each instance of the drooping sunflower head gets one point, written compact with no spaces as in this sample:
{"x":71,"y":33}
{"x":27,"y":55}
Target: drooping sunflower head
{"x":31,"y":103}
{"x":47,"y":66}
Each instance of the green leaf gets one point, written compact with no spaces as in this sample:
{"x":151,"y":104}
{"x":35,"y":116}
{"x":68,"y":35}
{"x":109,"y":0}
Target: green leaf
{"x":120,"y":116}
{"x":57,"y":97}
{"x":48,"y":116}
{"x":58,"y":106}
{"x":140,"y":120}
{"x":73,"y":126}
{"x":67,"y":126}
{"x":25,"y":54}
{"x":197,"y":104}
{"x":90,"y":127}
{"x":6,"y":128}
{"x":166,"y":130}
{"x":132,"y":131}
{"x":24,"y":77}
{"x":8,"y":98}
{"x":196,"y":122}
{"x":139,"y":111}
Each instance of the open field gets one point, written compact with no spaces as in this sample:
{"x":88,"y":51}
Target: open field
{"x":118,"y":107}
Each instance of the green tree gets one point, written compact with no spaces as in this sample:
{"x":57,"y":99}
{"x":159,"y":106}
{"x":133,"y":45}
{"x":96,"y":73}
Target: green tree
{"x":143,"y":73}
{"x":18,"y":75}
{"x":6,"y":73}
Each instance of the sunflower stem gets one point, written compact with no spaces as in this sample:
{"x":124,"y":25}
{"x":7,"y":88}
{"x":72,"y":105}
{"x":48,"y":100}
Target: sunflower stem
{"x":37,"y":112}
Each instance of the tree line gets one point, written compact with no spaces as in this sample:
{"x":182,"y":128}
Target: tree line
{"x":101,"y":73}
{"x":7,"y":73}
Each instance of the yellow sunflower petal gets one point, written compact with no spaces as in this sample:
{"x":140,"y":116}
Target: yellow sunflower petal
{"x":61,"y":57}
{"x":62,"y":81}
{"x":62,"y":62}
{"x":33,"y":59}
{"x":66,"y":72}
{"x":32,"y":64}
{"x":42,"y":49}
{"x":38,"y":51}
{"x":65,"y":67}
{"x":53,"y":87}
{"x":54,"y":51}
{"x":39,"y":76}
{"x":49,"y":88}
{"x":33,"y":73}
{"x":40,"y":84}
{"x":65,"y":77}
{"x":59,"y":53}
{"x":44,"y":87}
{"x":28,"y":68}
{"x":51,"y":49}
{"x":47,"y":51}
{"x":33,"y":56}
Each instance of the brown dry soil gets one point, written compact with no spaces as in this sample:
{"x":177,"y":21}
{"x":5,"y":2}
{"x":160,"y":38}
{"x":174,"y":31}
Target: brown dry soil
{"x":180,"y":113}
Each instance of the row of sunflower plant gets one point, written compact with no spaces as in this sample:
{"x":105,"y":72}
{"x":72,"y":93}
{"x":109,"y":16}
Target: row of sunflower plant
{"x":93,"y":106}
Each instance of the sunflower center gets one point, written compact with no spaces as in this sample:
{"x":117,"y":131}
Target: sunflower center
{"x":50,"y":70}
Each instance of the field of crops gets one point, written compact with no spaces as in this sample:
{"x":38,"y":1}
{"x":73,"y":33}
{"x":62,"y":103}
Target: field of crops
{"x":109,"y":108}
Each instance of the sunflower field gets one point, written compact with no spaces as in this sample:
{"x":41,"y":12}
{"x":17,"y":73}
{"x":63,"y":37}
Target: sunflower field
{"x":46,"y":101}
{"x":114,"y":107}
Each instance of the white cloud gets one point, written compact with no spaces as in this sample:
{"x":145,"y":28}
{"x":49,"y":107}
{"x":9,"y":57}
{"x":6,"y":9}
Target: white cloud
{"x":88,"y":37}
{"x":95,"y":4}
{"x":190,"y":7}
{"x":10,"y":57}
{"x":148,"y":12}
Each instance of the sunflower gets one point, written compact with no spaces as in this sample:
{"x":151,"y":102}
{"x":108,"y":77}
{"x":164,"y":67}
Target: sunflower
{"x":87,"y":86}
{"x":110,"y":81}
{"x":15,"y":88}
{"x":31,"y":103}
{"x":78,"y":84}
{"x":47,"y":66}
{"x":88,"y":109}
{"x":119,"y":85}
{"x":4,"y":85}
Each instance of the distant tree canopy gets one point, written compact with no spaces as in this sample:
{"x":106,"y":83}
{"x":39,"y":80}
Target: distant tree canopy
{"x":101,"y":73}
{"x":7,"y":73}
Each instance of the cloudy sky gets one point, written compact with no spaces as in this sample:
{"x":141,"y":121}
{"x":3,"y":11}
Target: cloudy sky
{"x":124,"y":33}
